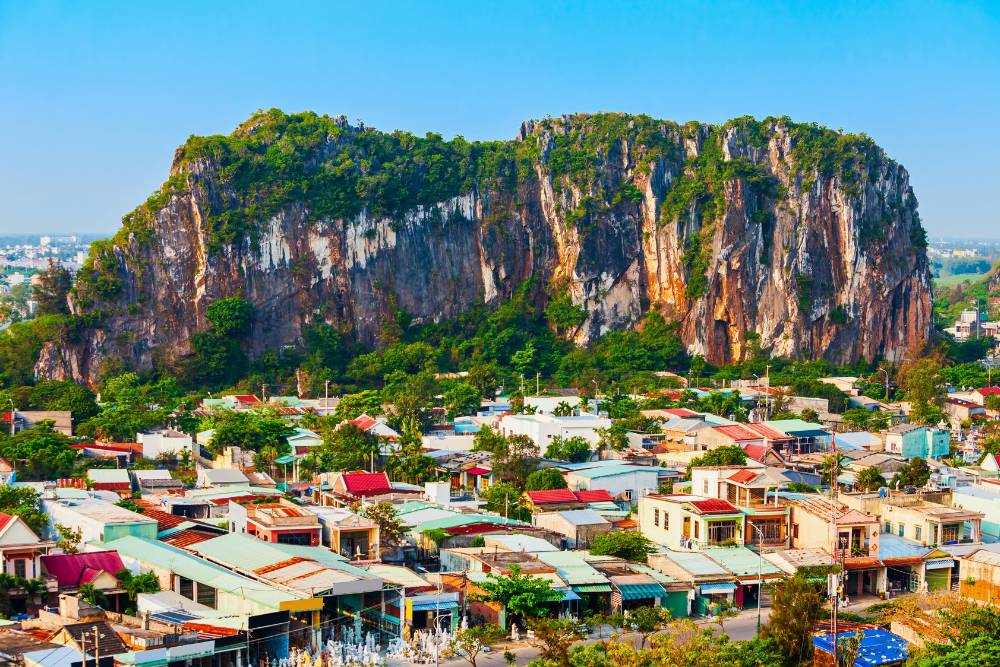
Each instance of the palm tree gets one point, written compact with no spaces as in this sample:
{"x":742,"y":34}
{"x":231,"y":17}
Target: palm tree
{"x":35,"y":588}
{"x":133,"y":584}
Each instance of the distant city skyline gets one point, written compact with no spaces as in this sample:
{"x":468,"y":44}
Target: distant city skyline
{"x":97,"y":96}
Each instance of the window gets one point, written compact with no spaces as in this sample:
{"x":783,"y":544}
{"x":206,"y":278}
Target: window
{"x":185,"y":587}
{"x":918,"y":532}
{"x":901,"y":529}
{"x":795,"y":530}
{"x":666,"y":521}
{"x":888,"y":527}
{"x":656,"y":517}
{"x":721,"y":531}
{"x":628,"y":494}
{"x":301,"y":539}
{"x":206,"y":595}
{"x":19,"y":568}
{"x":696,"y":525}
{"x":705,"y":487}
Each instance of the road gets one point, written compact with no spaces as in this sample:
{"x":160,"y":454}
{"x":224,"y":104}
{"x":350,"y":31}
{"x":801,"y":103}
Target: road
{"x":741,"y":627}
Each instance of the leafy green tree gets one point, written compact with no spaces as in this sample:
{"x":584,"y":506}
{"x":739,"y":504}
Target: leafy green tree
{"x":469,"y":643}
{"x":614,"y":438}
{"x":992,"y":402}
{"x":870,"y":479}
{"x":69,"y":538}
{"x":50,"y":290}
{"x":563,"y":409}
{"x":728,"y":455}
{"x":795,"y":609}
{"x":856,"y":419}
{"x":385,"y":516}
{"x":554,"y":637}
{"x":628,"y":544}
{"x":483,"y":378}
{"x":461,"y":399}
{"x":249,"y":430}
{"x":134,"y":584}
{"x":505,"y":499}
{"x":352,"y":406}
{"x":914,"y":472}
{"x":831,"y":468}
{"x":345,"y":448}
{"x":647,"y":620}
{"x":574,"y":449}
{"x":40,"y":453}
{"x":93,"y":595}
{"x":524,"y":359}
{"x":546,"y":478}
{"x":64,"y":395}
{"x":922,"y":382}
{"x":25,"y":503}
{"x":521,"y":595}
{"x":230,"y":316}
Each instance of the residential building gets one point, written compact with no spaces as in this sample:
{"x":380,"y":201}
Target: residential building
{"x":553,"y":500}
{"x":579,"y":526}
{"x":808,"y":436}
{"x":7,"y":473}
{"x":915,"y":441}
{"x":165,"y":442}
{"x":220,"y":478}
{"x":960,"y":411}
{"x":62,"y":420}
{"x":979,"y":576}
{"x":708,"y":581}
{"x":546,"y":405}
{"x":110,"y":479}
{"x":684,"y":521}
{"x":283,"y":522}
{"x":346,"y":533}
{"x":914,"y":517}
{"x":984,"y":498}
{"x":97,"y":568}
{"x":543,"y":428}
{"x":98,"y":520}
{"x":624,"y":482}
{"x":20,"y":548}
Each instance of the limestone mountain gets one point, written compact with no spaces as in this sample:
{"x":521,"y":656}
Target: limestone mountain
{"x":752,"y":234}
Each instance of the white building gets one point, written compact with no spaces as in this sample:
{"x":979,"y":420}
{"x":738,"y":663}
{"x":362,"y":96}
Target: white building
{"x":543,"y":428}
{"x":98,"y":520}
{"x":624,"y":482}
{"x":164,"y":442}
{"x":544,"y":405}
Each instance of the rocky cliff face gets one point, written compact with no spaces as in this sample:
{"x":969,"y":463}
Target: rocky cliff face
{"x":765,"y":233}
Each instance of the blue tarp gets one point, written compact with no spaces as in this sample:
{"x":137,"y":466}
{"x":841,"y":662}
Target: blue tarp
{"x":878,"y":647}
{"x":568,"y":594}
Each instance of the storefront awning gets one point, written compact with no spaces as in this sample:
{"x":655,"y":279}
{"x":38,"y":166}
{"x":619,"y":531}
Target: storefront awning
{"x":939,"y":563}
{"x":641,"y":591}
{"x":568,"y":594}
{"x":712,"y":589}
{"x":592,"y":588}
{"x":436,"y":606}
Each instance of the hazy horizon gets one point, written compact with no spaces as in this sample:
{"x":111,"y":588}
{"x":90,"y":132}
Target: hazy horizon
{"x":97,"y":97}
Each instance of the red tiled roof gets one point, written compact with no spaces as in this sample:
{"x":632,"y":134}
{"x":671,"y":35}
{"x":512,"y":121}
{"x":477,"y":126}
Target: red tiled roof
{"x":474,"y":528}
{"x":552,"y":496}
{"x":681,"y":412}
{"x":756,"y":452}
{"x":164,"y":520}
{"x":713,"y":506}
{"x":366,"y":483}
{"x":5,"y":466}
{"x":767,"y":432}
{"x":246,"y":398}
{"x":988,"y":391}
{"x":743,"y":476}
{"x":364,"y":422}
{"x":737,"y":432}
{"x":595,"y":496}
{"x":72,"y":570}
{"x":478,"y":471}
{"x":4,"y":520}
{"x":187,"y":537}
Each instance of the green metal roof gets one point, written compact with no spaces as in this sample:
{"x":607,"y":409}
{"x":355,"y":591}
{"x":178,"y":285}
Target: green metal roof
{"x":572,"y":568}
{"x":465,"y":520}
{"x":641,"y":591}
{"x":165,"y":557}
{"x":654,"y":573}
{"x":740,"y":561}
{"x":592,"y":588}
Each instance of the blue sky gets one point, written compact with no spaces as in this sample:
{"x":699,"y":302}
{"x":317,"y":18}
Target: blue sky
{"x":95,"y":96}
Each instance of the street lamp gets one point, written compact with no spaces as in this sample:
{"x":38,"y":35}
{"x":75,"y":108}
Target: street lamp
{"x":11,"y":401}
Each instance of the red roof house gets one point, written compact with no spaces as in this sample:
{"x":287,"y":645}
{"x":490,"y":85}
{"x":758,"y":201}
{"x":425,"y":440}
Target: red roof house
{"x":713,"y":506}
{"x":360,"y":483}
{"x":74,"y":570}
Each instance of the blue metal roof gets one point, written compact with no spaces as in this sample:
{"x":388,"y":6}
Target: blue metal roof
{"x":878,"y":647}
{"x":892,"y":546}
{"x":717,"y":588}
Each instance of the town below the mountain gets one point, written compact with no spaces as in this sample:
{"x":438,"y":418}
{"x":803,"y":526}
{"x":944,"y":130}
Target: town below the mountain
{"x":644,"y":507}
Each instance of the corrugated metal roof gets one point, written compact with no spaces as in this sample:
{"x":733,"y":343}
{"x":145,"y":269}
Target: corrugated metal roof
{"x":109,"y":476}
{"x":587,"y":517}
{"x":572,"y":567}
{"x":740,"y":561}
{"x":695,"y":563}
{"x":526,"y":543}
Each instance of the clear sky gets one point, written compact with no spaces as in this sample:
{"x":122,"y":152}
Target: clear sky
{"x":95,"y":96}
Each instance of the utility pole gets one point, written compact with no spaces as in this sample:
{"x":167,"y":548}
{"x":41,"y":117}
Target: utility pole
{"x":97,"y":648}
{"x":83,"y":648}
{"x":13,"y":414}
{"x":326,"y":397}
{"x":760,"y":562}
{"x":538,"y":386}
{"x":835,"y":487}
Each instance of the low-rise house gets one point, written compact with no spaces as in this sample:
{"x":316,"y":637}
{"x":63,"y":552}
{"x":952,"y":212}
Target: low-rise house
{"x":7,"y":473}
{"x":97,"y":568}
{"x":979,"y":576}
{"x":98,"y":520}
{"x":62,"y":420}
{"x":283,"y":522}
{"x":579,"y":526}
{"x":20,"y":548}
{"x":155,"y":481}
{"x":681,"y":432}
{"x":110,"y":479}
{"x":547,"y":405}
{"x":959,"y":411}
{"x":543,"y":428}
{"x":553,"y":500}
{"x":735,"y":435}
{"x":165,"y":442}
{"x":913,"y":567}
{"x":914,"y":517}
{"x":684,"y":521}
{"x":217,"y":478}
{"x":346,"y":533}
{"x":765,"y":455}
{"x":709,"y":582}
{"x":984,"y":498}
{"x":624,"y":482}
{"x":915,"y":441}
{"x":808,"y":436}
{"x":387,"y":437}
{"x":751,"y":571}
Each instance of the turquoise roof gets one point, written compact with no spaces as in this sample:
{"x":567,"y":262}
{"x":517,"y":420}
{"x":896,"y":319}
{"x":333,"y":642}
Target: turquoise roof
{"x":741,"y":561}
{"x":695,"y":563}
{"x":465,"y":520}
{"x":573,"y":568}
{"x":165,"y":557}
